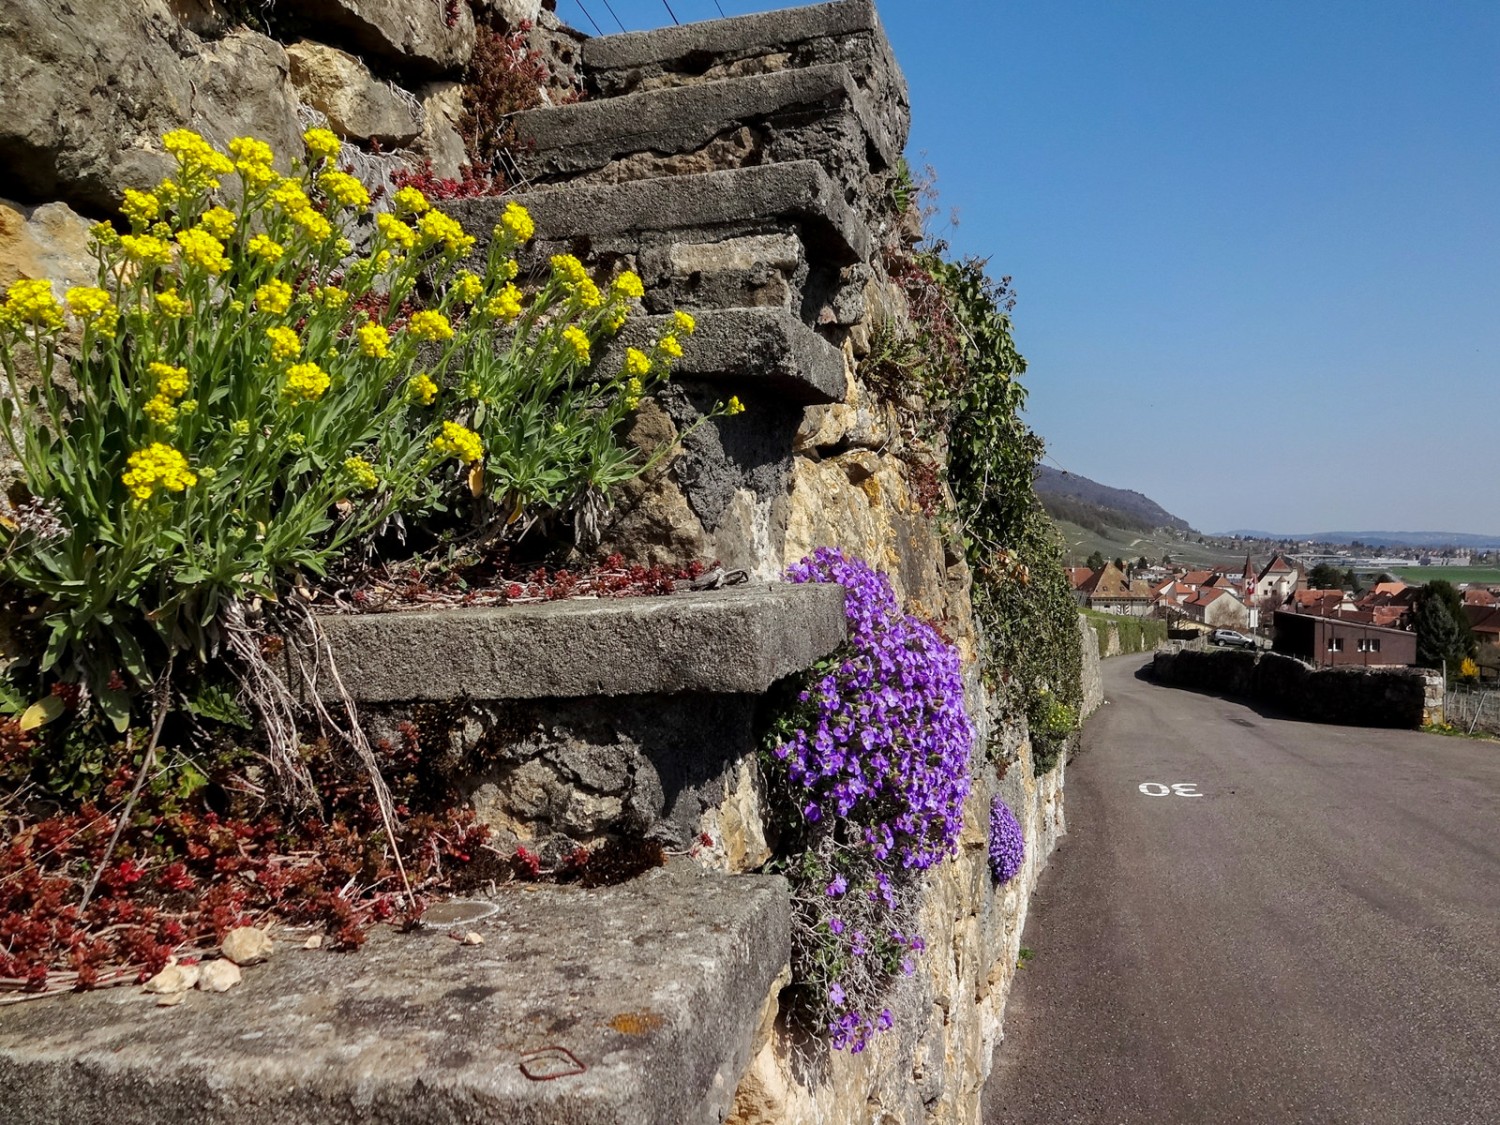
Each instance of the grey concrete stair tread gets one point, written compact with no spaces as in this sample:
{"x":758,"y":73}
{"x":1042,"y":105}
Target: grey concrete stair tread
{"x":754,"y":350}
{"x":567,"y":140}
{"x":655,"y":987}
{"x":737,"y":639}
{"x":741,"y":199}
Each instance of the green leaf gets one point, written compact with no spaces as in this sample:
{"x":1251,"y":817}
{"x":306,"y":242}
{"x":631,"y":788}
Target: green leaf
{"x":116,"y":708}
{"x":42,"y":712}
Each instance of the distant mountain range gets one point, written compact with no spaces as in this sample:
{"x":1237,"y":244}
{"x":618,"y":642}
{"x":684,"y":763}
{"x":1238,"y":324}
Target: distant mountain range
{"x":1067,"y":496}
{"x":1384,"y":538}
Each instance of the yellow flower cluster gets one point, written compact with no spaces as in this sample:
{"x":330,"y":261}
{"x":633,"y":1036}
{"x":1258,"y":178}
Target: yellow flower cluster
{"x":171,"y":385}
{"x":517,"y":221}
{"x":201,"y":249}
{"x":94,"y":308}
{"x":305,"y":382}
{"x":395,"y":230}
{"x":438,"y":227}
{"x":266,"y":248}
{"x":274,"y":297}
{"x":199,"y":163}
{"x":460,"y":442}
{"x":156,"y":465}
{"x":628,"y":285}
{"x":410,"y":201}
{"x":361,"y":472}
{"x":429,"y":325}
{"x":252,"y":159}
{"x":172,"y":304}
{"x":31,"y":302}
{"x":343,"y":189}
{"x":505,"y":305}
{"x":219,"y":222}
{"x":466,"y":286}
{"x":568,"y":270}
{"x":321,"y":144}
{"x":146,"y":250}
{"x":422,"y":389}
{"x":374,"y":340}
{"x":284,"y":343}
{"x":684,"y":322}
{"x":734,"y":406}
{"x":575,"y":338}
{"x":669,"y":346}
{"x":289,"y":196}
{"x":331,"y":296}
{"x":633,"y":391}
{"x":637,"y":362}
{"x":140,"y":207}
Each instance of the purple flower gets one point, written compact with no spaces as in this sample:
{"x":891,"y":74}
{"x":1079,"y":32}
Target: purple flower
{"x":837,"y":887}
{"x":1007,"y":842}
{"x":836,"y":996}
{"x":836,"y":925}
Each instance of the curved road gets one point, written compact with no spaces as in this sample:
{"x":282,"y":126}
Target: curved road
{"x":1316,"y":938}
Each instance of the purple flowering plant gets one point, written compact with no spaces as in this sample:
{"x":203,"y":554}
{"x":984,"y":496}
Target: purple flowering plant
{"x":1007,"y":842}
{"x":869,"y":765}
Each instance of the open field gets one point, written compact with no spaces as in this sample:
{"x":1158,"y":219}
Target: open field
{"x":1484,"y":575}
{"x":1131,"y":545}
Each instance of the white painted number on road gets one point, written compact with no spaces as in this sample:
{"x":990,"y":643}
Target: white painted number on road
{"x":1179,"y":789}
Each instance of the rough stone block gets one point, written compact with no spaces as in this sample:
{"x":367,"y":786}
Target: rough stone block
{"x":642,"y":1000}
{"x":757,"y":349}
{"x":422,"y":37}
{"x":818,"y":113}
{"x":847,"y":32}
{"x":358,"y":107}
{"x":739,"y":639}
{"x":700,"y":208}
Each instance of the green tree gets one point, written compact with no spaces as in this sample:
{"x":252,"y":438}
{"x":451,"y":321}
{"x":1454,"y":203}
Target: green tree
{"x":1325,"y":577}
{"x":1443,"y":635}
{"x":1142,"y":563}
{"x":1119,"y":563}
{"x":1095,"y":561}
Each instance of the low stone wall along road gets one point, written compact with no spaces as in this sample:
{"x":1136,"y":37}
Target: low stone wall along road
{"x":1260,"y":920}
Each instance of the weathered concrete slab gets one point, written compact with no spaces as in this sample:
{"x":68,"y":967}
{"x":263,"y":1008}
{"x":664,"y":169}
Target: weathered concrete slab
{"x":755,"y":351}
{"x":845,"y":32}
{"x":655,"y":988}
{"x":699,"y":207}
{"x":793,"y":112}
{"x":735,"y":640}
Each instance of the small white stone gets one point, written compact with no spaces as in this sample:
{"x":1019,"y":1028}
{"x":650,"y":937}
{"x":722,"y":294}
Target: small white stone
{"x":314,"y":942}
{"x":219,"y":976}
{"x":173,"y":979}
{"x":245,"y":945}
{"x":472,"y":938}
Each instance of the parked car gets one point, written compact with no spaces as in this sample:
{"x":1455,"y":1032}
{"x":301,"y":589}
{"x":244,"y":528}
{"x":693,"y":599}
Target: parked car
{"x":1232,"y":638}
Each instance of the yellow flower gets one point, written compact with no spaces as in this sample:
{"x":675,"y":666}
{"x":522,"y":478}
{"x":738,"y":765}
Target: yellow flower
{"x":171,"y":382}
{"x":289,"y":196}
{"x":198,"y":161}
{"x":331,"y":296}
{"x":628,"y":284}
{"x":505,"y":305}
{"x":169,"y":191}
{"x":172,"y":305}
{"x":517,"y":221}
{"x":240,"y":427}
{"x":586,"y":293}
{"x":30,"y":301}
{"x":669,"y":346}
{"x":574,"y":337}
{"x":140,"y":207}
{"x":410,"y":201}
{"x":219,"y":222}
{"x":460,"y":442}
{"x":637,"y":362}
{"x":395,"y":230}
{"x":568,"y":270}
{"x":284,"y":343}
{"x":344,"y":189}
{"x":313,"y":224}
{"x":104,"y":234}
{"x":684,"y":322}
{"x":374,"y":340}
{"x":305,"y":382}
{"x":438,"y":227}
{"x":362,"y":472}
{"x":734,"y":406}
{"x":248,"y":150}
{"x":146,"y":250}
{"x":467,"y":287}
{"x":93,"y":307}
{"x":160,"y":410}
{"x":190,"y":406}
{"x":266,"y":248}
{"x":274,"y":297}
{"x":201,"y":249}
{"x":321,"y":144}
{"x":422,"y":389}
{"x":615,"y":322}
{"x":157,"y":464}
{"x":429,"y":325}
{"x":507,"y":270}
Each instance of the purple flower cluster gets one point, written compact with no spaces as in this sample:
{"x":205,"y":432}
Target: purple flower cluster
{"x":875,"y":759}
{"x":1007,"y":842}
{"x":888,"y":746}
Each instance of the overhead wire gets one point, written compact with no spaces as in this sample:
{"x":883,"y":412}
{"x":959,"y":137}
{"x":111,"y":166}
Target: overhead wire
{"x":598,"y":30}
{"x":611,"y":8}
{"x":671,"y":13}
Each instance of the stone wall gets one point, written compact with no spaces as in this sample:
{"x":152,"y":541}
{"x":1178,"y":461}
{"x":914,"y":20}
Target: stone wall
{"x":1093,"y":683}
{"x":1374,"y":697}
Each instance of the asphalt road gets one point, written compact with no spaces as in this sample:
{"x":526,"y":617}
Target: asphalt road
{"x":1314,"y":939}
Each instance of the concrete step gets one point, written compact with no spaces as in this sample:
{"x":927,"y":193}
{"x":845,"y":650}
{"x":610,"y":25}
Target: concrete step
{"x":846,"y":32}
{"x":624,"y":219}
{"x":818,"y":113}
{"x":632,"y":1005}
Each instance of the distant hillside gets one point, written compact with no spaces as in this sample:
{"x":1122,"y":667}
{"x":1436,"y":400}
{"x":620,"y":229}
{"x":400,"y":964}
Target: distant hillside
{"x":1089,"y":504}
{"x":1385,"y":538}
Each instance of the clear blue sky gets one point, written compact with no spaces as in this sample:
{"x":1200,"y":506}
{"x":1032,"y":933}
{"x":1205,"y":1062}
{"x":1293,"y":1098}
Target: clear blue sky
{"x":1257,"y":245}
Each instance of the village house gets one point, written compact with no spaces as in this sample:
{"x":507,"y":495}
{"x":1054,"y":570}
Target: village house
{"x":1110,"y":590}
{"x":1334,"y":642}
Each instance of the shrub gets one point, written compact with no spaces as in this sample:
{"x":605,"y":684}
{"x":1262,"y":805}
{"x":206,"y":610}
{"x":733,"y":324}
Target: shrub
{"x":1007,"y":843}
{"x":871,"y":770}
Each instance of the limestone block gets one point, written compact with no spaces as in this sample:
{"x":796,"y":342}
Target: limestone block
{"x":413,"y":35}
{"x":357,"y":105}
{"x":513,"y":12}
{"x":50,"y":241}
{"x":440,"y":142}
